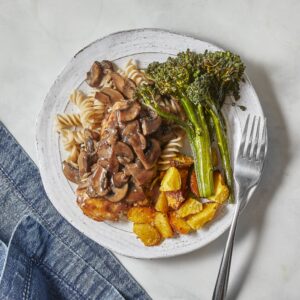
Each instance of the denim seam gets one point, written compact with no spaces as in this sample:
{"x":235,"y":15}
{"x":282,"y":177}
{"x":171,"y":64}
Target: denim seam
{"x":40,"y":263}
{"x":27,"y":281}
{"x":20,"y":195}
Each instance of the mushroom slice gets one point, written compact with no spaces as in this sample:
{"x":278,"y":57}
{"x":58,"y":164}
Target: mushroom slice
{"x":123,"y":153}
{"x":135,"y":194}
{"x":107,"y":66}
{"x":71,"y":172}
{"x":137,"y":141}
{"x":149,"y":158}
{"x":152,"y":154}
{"x":130,"y":113}
{"x":95,"y":75}
{"x":119,"y":179}
{"x":121,"y":105}
{"x":151,"y":123}
{"x":117,"y":193}
{"x":142,"y":141}
{"x":107,"y":158}
{"x":104,"y":151}
{"x":140,"y":175}
{"x":118,"y":80}
{"x":103,"y":98}
{"x":99,"y":181}
{"x":83,"y":163}
{"x":88,"y":133}
{"x":129,"y":88}
{"x":90,"y":146}
{"x":131,"y":128}
{"x":114,"y":95}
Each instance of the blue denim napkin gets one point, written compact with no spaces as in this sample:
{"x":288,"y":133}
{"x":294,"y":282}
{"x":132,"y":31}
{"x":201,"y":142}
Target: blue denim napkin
{"x":41,"y":255}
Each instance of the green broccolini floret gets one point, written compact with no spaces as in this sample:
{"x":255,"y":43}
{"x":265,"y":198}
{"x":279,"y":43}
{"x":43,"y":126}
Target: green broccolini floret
{"x":200,"y":82}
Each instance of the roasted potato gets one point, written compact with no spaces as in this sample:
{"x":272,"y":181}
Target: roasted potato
{"x":100,"y":209}
{"x":175,"y":199}
{"x":141,"y":214}
{"x":147,"y":233}
{"x":161,"y":222}
{"x":181,"y":161}
{"x":190,"y":207}
{"x":221,"y":191}
{"x":184,"y":173}
{"x":193,"y":184}
{"x":171,"y":181}
{"x":179,"y":224}
{"x":198,"y":220}
{"x":162,"y":203}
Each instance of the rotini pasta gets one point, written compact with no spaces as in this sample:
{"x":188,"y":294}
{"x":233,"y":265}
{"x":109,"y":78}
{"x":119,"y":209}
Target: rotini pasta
{"x":170,"y":105}
{"x":91,"y":110}
{"x":67,"y":121}
{"x":171,"y":150}
{"x":132,"y":72}
{"x":73,"y":155}
{"x":72,"y":138}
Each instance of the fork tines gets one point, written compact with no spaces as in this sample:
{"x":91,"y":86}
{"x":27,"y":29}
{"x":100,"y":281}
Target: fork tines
{"x":253,"y":143}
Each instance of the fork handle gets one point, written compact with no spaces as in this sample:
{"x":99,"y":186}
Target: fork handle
{"x":223,"y":276}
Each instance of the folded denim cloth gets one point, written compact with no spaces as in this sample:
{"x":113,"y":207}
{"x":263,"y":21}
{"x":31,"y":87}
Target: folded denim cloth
{"x":41,"y":255}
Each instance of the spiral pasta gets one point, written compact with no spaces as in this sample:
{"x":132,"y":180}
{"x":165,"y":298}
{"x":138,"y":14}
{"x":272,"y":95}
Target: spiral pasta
{"x":73,"y":154}
{"x":132,"y":72}
{"x":170,"y":105}
{"x":170,"y":151}
{"x":72,"y":138}
{"x":91,"y":110}
{"x":64,"y":121}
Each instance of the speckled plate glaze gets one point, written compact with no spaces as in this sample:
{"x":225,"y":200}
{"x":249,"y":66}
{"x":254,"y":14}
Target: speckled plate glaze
{"x":144,"y":45}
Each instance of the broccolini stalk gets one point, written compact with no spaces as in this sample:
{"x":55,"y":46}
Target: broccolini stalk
{"x":223,"y":146}
{"x":200,"y":82}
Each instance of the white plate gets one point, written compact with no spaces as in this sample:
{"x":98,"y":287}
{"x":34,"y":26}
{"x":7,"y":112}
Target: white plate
{"x":145,"y":45}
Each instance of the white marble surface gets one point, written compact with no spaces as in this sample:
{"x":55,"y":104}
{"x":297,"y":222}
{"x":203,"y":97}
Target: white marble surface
{"x":39,"y":37}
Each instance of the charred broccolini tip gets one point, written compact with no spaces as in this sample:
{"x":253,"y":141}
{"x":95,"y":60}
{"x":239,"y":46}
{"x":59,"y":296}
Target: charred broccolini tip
{"x":200,"y":82}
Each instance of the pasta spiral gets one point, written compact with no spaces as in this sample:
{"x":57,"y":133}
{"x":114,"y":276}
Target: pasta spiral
{"x":64,"y":121}
{"x":72,"y":138}
{"x":91,"y":110}
{"x":171,"y":106}
{"x":132,"y":72}
{"x":73,"y":155}
{"x":171,"y":150}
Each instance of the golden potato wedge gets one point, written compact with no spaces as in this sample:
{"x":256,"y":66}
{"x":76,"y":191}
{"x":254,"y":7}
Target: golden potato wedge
{"x":141,"y":214}
{"x":161,"y":222}
{"x":190,"y":207}
{"x":181,"y":161}
{"x":175,"y":199}
{"x":179,"y":224}
{"x":147,"y":233}
{"x":198,"y":220}
{"x":162,"y":203}
{"x":221,"y":191}
{"x":171,"y":181}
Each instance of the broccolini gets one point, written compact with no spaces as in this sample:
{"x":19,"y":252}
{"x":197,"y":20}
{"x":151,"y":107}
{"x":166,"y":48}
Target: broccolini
{"x":200,"y":83}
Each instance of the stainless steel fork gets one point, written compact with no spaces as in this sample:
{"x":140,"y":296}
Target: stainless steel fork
{"x":247,"y":172}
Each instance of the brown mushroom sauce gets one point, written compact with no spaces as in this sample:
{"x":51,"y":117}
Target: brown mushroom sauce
{"x":118,"y":162}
